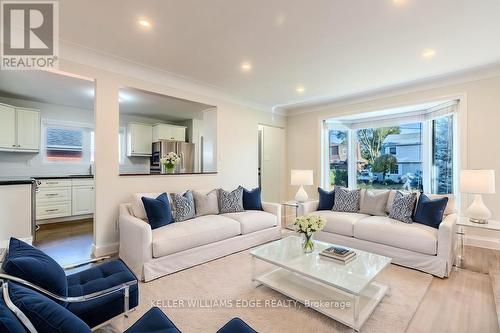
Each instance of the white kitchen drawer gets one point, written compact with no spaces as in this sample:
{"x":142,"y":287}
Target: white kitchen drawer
{"x":53,"y":194}
{"x":54,"y":210}
{"x":55,"y":183}
{"x":83,"y":182}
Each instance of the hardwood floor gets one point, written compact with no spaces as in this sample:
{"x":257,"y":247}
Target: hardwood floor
{"x":66,"y":242}
{"x":464,"y":302}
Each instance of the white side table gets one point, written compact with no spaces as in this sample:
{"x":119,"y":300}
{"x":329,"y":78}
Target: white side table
{"x":463,"y":223}
{"x":289,"y":205}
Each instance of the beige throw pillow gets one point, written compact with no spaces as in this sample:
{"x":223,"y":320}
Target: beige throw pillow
{"x":374,"y":203}
{"x":206,"y":203}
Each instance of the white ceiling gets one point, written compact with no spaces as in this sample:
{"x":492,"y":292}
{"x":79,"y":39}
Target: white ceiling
{"x":332,"y":48}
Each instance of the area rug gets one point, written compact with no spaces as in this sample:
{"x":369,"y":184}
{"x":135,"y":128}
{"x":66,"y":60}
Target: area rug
{"x":203,"y":298}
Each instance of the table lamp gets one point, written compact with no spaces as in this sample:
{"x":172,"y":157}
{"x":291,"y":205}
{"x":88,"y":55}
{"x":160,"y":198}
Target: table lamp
{"x":301,"y":177}
{"x":477,"y":182}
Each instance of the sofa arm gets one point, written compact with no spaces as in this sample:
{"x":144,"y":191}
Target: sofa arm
{"x":308,"y":207}
{"x":447,"y":238}
{"x":273,"y":208}
{"x":135,"y":240}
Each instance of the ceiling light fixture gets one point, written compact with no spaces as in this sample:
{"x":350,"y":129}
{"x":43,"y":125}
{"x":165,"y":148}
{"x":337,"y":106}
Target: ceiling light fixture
{"x":144,"y":23}
{"x":300,"y":89}
{"x":246,"y":66}
{"x":399,"y":2}
{"x":428,"y":53}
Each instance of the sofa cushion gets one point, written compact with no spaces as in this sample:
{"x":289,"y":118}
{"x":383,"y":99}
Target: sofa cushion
{"x":180,"y":236}
{"x":9,"y":323}
{"x":326,"y":199}
{"x":340,"y":222}
{"x":153,"y":321}
{"x":253,"y":220}
{"x":158,"y":211}
{"x":403,"y":207}
{"x":97,"y":278}
{"x":137,"y":207}
{"x":346,"y":200}
{"x":373,"y":203}
{"x":183,"y":205}
{"x":409,"y":236}
{"x":231,"y":202}
{"x":206,"y":203}
{"x":29,"y":263}
{"x":252,"y":199}
{"x":44,"y":314}
{"x":430,"y":211}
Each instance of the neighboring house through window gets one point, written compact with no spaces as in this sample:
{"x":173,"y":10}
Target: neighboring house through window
{"x":397,"y":150}
{"x":67,"y":142}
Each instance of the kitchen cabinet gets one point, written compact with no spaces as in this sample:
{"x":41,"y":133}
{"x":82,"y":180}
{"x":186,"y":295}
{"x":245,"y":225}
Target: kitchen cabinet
{"x":7,"y":128}
{"x":139,"y":139}
{"x":82,"y":197}
{"x":64,"y":198}
{"x":169,"y":132}
{"x":28,"y":129}
{"x":19,"y":129}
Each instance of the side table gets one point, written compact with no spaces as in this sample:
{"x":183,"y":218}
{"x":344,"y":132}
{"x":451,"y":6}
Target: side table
{"x":463,"y":223}
{"x":287,"y":206}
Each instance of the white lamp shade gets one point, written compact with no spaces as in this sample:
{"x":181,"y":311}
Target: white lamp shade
{"x":477,"y":181}
{"x":301,"y":177}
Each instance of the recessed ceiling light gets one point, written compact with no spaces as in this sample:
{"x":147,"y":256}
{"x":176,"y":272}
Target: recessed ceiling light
{"x":399,"y":2}
{"x":144,"y":23}
{"x":300,"y":89}
{"x":246,"y":66}
{"x":428,"y":53}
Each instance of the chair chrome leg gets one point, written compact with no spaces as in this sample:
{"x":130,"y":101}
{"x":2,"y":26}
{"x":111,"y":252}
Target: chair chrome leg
{"x":126,"y":301}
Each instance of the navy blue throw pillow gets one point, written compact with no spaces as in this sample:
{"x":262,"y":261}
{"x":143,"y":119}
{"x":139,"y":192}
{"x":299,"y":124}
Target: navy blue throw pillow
{"x":8,"y":320}
{"x":158,"y":211}
{"x":430,"y":212}
{"x":326,"y":199}
{"x":29,"y":263}
{"x":44,"y":314}
{"x":252,"y":199}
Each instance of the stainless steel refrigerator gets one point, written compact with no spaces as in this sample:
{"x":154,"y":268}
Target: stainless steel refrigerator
{"x":184,"y":150}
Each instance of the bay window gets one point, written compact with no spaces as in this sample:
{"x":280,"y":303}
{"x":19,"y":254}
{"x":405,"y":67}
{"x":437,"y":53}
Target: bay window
{"x":411,"y":150}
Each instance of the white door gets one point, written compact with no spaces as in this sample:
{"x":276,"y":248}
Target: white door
{"x":28,"y":129}
{"x":83,"y":200}
{"x":7,"y":127}
{"x":272,"y":173}
{"x":142,"y":139}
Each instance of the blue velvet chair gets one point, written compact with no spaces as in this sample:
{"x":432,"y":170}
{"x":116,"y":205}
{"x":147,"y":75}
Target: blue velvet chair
{"x":94,"y":295}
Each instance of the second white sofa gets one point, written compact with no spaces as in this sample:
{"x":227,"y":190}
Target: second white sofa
{"x":151,"y":254}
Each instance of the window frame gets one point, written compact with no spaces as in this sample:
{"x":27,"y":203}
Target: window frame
{"x":426,"y":118}
{"x":86,"y":146}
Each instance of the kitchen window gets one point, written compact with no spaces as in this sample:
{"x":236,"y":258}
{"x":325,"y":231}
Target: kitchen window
{"x":67,"y":143}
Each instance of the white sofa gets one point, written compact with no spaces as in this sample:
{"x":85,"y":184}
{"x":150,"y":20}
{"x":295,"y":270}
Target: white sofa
{"x":151,"y":254}
{"x":411,"y":245}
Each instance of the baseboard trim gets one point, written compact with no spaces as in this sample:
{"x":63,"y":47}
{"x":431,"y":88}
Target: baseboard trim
{"x":105,"y":250}
{"x":480,"y":241}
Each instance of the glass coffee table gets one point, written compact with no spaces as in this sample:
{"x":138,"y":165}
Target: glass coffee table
{"x":344,"y":292}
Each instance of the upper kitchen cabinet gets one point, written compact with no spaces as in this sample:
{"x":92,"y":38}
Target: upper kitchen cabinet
{"x":153,"y":126}
{"x":139,"y":139}
{"x":19,"y":129}
{"x":169,"y":132}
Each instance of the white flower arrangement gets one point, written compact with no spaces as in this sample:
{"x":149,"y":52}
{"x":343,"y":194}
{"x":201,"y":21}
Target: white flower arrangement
{"x":170,"y":160}
{"x":309,"y":224}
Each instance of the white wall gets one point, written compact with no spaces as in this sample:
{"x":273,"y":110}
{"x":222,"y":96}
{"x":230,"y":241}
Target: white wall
{"x":479,"y":135}
{"x":236,"y":146}
{"x":32,"y":164}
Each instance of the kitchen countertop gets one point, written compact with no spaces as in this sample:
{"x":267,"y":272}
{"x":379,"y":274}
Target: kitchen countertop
{"x":30,"y":180}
